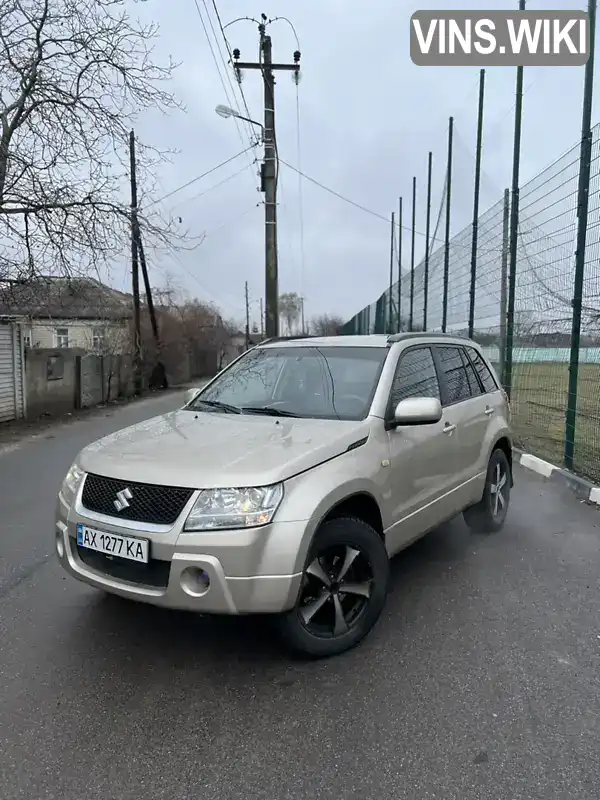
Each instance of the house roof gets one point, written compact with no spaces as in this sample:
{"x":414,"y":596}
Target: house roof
{"x":64,"y":298}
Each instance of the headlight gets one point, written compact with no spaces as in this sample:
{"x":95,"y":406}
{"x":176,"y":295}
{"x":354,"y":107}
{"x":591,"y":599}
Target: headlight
{"x":71,"y":483}
{"x":234,"y":508}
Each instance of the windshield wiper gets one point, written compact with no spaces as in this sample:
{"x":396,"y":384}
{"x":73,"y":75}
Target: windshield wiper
{"x":219,"y":406}
{"x":268,"y":411}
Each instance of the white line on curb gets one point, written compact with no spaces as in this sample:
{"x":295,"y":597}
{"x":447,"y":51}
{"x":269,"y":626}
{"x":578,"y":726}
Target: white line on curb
{"x":537,"y":465}
{"x":595,"y":495}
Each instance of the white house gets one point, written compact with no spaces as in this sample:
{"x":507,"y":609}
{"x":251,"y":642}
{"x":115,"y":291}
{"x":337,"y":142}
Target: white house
{"x":76,"y":312}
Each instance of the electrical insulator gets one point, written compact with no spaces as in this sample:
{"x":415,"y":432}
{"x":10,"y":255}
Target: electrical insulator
{"x":236,"y":53}
{"x":296,"y":56}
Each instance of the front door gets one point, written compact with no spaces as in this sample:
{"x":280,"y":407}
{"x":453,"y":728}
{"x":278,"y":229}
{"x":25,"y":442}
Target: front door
{"x":422,"y":457}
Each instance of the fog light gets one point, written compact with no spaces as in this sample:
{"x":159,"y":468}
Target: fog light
{"x":60,"y":544}
{"x":195,"y":581}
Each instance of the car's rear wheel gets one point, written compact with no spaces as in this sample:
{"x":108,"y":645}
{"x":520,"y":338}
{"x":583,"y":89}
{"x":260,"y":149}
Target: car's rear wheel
{"x":343,"y":590}
{"x":489,"y":514}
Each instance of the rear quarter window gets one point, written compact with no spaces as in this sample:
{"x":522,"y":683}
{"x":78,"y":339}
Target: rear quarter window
{"x":482,"y":370}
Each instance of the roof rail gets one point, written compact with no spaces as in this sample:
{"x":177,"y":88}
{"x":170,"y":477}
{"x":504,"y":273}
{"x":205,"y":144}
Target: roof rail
{"x":402,"y":336}
{"x":286,"y":338}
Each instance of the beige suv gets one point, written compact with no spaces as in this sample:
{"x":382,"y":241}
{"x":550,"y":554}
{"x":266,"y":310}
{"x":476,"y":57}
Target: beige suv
{"x":286,"y":484}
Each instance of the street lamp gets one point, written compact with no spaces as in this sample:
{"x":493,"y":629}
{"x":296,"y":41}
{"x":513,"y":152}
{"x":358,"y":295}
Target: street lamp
{"x":225,"y":112}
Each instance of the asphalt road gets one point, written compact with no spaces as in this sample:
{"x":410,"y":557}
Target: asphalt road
{"x":480,"y":682}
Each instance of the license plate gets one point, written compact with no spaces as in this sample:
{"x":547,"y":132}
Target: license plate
{"x":113,"y":544}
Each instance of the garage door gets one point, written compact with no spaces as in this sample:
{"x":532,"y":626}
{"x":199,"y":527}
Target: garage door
{"x":11,"y":373}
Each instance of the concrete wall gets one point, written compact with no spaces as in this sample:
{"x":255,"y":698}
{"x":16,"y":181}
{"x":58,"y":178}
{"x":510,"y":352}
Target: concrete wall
{"x":51,"y":380}
{"x":60,"y":380}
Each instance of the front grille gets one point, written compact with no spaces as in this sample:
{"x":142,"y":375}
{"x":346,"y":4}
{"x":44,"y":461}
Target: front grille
{"x":154,"y":573}
{"x":160,"y":505}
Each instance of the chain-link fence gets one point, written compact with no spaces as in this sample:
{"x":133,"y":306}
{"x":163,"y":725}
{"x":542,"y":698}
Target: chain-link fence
{"x":541,"y":330}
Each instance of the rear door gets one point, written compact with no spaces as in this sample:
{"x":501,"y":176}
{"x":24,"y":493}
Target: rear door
{"x":463,"y":394}
{"x":422,"y":457}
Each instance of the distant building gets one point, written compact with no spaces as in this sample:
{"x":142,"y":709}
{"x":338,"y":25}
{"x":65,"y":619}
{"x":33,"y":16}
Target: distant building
{"x":70,"y":313}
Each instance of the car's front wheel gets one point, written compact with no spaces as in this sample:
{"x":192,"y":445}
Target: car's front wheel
{"x":343,"y":590}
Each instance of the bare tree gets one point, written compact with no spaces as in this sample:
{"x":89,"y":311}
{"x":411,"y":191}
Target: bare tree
{"x":326,"y":325}
{"x":73,"y":76}
{"x":290,"y":309}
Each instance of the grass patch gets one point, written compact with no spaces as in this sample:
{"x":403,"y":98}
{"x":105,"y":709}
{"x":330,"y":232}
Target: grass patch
{"x":539,"y":405}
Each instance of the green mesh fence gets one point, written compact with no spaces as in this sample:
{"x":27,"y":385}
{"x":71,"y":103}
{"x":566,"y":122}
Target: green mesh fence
{"x":543,"y":307}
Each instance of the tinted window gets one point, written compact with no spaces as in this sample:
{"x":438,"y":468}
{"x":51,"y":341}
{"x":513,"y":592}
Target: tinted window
{"x":474,"y":386}
{"x":319,"y":382}
{"x":415,"y":376}
{"x":457,"y":381}
{"x":482,"y":370}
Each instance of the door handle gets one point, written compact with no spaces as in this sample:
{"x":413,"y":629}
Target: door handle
{"x":449,"y":429}
{"x":489,"y":411}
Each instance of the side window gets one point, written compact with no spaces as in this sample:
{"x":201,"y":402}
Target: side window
{"x":474,"y":386}
{"x":415,"y":376}
{"x":482,"y":370}
{"x":457,"y":380}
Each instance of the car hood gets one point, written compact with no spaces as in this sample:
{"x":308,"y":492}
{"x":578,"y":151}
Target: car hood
{"x":213,"y":450}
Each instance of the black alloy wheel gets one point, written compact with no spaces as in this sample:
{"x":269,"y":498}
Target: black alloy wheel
{"x":343,"y":590}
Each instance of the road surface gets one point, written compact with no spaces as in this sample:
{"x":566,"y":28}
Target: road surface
{"x":480,"y":682}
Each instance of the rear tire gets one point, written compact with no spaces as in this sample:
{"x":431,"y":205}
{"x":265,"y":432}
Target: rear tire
{"x":343,"y":590}
{"x":489,"y":515}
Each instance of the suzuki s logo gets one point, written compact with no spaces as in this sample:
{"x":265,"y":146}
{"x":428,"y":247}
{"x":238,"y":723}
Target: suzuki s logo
{"x":123,"y":498}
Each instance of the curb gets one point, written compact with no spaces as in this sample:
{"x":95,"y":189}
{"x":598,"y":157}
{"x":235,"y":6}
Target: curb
{"x":583,"y":489}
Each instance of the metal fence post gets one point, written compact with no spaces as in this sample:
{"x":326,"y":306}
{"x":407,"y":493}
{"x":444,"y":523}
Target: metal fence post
{"x":427,"y":234}
{"x":514,"y":230}
{"x":399,"y":320}
{"x":476,"y":204}
{"x":582,"y":221}
{"x":412,"y":255}
{"x":447,"y":234}
{"x":503,"y":280}
{"x":392,"y":237}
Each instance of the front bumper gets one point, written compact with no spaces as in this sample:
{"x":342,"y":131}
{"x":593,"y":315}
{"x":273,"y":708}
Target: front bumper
{"x":189,"y":577}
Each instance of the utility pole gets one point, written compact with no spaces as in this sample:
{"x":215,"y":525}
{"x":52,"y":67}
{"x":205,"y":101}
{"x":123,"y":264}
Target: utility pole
{"x":158,"y":378}
{"x":135,"y":273}
{"x":302,"y":315}
{"x":270,"y":166}
{"x":247,"y":316}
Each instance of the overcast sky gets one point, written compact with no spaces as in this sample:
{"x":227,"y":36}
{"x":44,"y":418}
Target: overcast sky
{"x":367,"y":119}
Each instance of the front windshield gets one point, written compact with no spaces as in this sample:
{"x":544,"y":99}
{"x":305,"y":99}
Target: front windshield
{"x":317,"y":382}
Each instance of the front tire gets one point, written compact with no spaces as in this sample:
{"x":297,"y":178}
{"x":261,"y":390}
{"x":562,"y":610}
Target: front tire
{"x":489,"y":515}
{"x":343,"y":590}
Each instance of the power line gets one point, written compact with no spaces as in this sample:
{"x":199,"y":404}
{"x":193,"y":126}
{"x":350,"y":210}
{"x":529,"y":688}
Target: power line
{"x":361,"y":207}
{"x":199,"y":177}
{"x":214,"y":186}
{"x":212,"y":50}
{"x":230,"y":53}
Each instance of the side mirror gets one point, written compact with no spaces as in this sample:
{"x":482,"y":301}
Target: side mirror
{"x":417,"y":411}
{"x":191,"y":394}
